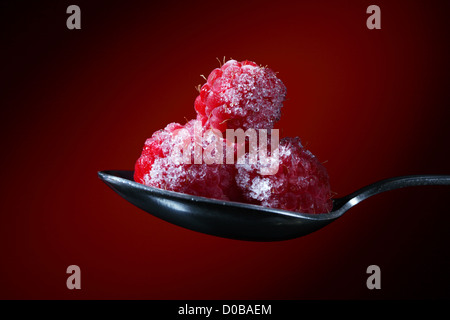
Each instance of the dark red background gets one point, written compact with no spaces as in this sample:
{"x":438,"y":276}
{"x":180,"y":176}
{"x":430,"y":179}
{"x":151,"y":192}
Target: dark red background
{"x":371,"y":103}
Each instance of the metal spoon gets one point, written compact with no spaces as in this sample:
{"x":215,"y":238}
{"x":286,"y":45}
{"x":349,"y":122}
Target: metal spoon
{"x":242,"y":221}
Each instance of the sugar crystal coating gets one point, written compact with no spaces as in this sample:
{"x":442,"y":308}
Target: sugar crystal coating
{"x":301,"y":183}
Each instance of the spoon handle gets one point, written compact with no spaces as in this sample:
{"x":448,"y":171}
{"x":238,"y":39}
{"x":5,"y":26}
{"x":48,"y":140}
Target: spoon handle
{"x":392,"y":184}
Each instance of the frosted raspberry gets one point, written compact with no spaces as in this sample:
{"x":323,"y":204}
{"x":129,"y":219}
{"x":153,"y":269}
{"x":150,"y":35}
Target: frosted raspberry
{"x":162,"y":165}
{"x":301,"y":183}
{"x":240,"y":95}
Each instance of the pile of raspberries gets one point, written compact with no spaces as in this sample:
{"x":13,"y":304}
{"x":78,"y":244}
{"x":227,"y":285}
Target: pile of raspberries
{"x":238,"y":95}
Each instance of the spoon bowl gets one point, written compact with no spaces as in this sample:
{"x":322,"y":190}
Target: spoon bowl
{"x":241,"y":221}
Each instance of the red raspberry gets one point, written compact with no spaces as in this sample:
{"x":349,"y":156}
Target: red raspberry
{"x":237,"y":95}
{"x":301,"y":183}
{"x":159,"y":166}
{"x":240,"y":95}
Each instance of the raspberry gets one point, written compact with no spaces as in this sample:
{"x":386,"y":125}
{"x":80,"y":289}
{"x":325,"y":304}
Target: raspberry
{"x":301,"y":183}
{"x":240,"y":95}
{"x":162,"y":166}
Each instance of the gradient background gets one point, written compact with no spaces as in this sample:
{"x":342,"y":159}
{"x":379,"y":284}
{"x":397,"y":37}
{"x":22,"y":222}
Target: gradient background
{"x":371,"y":104}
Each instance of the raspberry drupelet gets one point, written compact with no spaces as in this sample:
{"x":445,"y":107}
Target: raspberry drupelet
{"x":161,"y":164}
{"x":301,"y":183}
{"x":240,"y":95}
